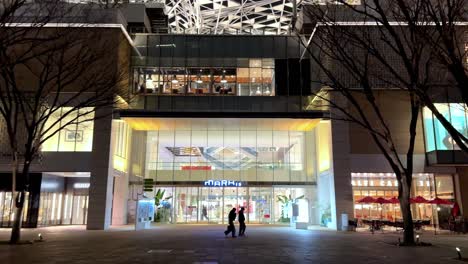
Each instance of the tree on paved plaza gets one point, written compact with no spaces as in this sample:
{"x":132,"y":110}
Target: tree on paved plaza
{"x":53,"y":80}
{"x":363,"y":49}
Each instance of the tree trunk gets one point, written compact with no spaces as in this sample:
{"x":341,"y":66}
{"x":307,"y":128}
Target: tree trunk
{"x":408,"y":235}
{"x":19,"y":205}
{"x":16,"y":228}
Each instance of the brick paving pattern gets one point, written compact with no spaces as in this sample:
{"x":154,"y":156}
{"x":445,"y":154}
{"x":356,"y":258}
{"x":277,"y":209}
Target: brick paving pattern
{"x":207,"y":244}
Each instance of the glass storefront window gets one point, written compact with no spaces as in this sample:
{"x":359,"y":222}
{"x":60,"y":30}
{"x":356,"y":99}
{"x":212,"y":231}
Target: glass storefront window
{"x":437,"y":138}
{"x":385,"y":185}
{"x":186,"y":153}
{"x":212,"y":204}
{"x":444,"y":187}
{"x":256,"y":80}
{"x":7,"y":213}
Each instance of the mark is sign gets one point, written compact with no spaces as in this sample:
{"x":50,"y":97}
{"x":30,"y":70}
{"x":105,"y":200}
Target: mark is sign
{"x":222,"y":183}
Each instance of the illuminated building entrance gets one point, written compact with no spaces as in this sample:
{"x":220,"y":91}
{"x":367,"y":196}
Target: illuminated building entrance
{"x":212,"y":204}
{"x":207,"y":166}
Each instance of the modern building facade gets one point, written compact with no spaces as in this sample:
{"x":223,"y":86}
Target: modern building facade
{"x":223,"y":121}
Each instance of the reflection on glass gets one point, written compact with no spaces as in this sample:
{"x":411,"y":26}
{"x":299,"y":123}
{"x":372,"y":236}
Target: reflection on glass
{"x":437,"y":137}
{"x":197,"y":155}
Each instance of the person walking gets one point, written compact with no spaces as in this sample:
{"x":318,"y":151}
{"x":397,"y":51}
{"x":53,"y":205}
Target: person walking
{"x":241,"y":219}
{"x":231,"y":227}
{"x":205,"y":214}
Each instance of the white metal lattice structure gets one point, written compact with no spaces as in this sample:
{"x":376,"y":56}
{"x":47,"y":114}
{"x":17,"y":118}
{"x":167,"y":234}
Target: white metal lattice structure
{"x":229,"y":16}
{"x":270,"y":17}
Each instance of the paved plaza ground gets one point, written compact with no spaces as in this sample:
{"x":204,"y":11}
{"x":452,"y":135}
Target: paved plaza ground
{"x":207,"y":244}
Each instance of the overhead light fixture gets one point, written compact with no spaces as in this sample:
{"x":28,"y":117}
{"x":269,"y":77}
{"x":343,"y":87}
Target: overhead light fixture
{"x":174,"y":79}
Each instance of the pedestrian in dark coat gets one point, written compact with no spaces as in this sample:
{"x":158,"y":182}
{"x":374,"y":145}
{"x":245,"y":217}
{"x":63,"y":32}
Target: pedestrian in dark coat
{"x":231,"y":227}
{"x":241,"y":219}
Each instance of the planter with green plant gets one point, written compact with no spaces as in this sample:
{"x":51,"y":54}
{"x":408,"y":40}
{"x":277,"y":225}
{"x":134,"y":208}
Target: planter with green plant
{"x":286,"y":201}
{"x":163,"y":206}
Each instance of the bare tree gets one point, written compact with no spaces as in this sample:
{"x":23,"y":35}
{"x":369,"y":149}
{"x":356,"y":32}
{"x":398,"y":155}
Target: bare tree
{"x":53,"y":78}
{"x":364,"y":49}
{"x":448,"y":39}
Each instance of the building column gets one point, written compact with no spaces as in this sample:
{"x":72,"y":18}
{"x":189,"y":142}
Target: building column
{"x":340,"y":166}
{"x":461,"y":189}
{"x":100,"y":190}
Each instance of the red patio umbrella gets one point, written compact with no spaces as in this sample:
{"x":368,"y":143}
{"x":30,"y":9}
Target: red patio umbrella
{"x":367,"y":200}
{"x":419,"y":199}
{"x":440,"y":201}
{"x":381,"y":201}
{"x":394,"y":201}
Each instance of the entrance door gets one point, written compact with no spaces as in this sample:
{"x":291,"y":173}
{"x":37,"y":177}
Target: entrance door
{"x":186,"y":205}
{"x":212,"y":199}
{"x":260,"y":205}
{"x":230,"y":201}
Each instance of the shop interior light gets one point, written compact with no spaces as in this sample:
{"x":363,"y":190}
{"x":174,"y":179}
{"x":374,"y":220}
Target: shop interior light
{"x":223,"y":79}
{"x":258,"y":92}
{"x":174,"y":79}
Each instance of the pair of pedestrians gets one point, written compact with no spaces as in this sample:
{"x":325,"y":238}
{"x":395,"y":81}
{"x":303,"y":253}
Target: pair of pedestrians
{"x":231,"y":228}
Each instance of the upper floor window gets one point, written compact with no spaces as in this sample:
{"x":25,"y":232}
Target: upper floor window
{"x":437,"y":137}
{"x":75,"y":137}
{"x":257,"y":79}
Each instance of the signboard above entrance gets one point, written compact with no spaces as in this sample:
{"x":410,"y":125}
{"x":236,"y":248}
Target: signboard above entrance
{"x":222,"y":183}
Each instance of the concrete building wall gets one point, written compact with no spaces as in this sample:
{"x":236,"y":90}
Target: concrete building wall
{"x":100,"y":190}
{"x":395,"y":108}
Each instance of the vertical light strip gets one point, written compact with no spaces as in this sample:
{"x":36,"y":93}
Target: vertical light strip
{"x":53,"y":207}
{"x":65,"y":207}
{"x":77,"y":208}
{"x":59,"y":208}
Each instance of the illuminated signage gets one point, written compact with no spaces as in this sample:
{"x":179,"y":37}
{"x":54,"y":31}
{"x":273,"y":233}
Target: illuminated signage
{"x":222,"y":183}
{"x":195,"y":167}
{"x":81,"y":185}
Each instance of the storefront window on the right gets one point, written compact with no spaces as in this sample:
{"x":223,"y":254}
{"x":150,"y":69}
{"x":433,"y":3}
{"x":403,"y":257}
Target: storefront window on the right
{"x":437,"y":137}
{"x":444,"y":186}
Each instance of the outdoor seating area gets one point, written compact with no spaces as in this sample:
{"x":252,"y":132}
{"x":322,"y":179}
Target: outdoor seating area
{"x":396,"y":222}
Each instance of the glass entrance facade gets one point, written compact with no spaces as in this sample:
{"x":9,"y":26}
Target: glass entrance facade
{"x":249,"y":150}
{"x":212,"y":204}
{"x":207,"y":166}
